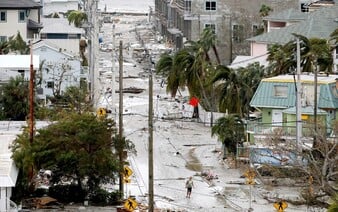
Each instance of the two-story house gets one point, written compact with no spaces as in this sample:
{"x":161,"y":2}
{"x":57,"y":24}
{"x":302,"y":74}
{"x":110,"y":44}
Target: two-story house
{"x":59,"y":70}
{"x":59,"y":32}
{"x":19,"y":16}
{"x":275,"y":97}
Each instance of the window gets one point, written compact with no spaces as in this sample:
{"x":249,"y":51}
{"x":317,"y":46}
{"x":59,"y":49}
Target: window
{"x":304,"y":7}
{"x":3,"y":38}
{"x":50,"y":84}
{"x":187,"y":6}
{"x":238,"y":33}
{"x":211,"y":26}
{"x":280,"y":90}
{"x":3,"y":16}
{"x":255,"y":30}
{"x":210,"y":5}
{"x":22,"y":16}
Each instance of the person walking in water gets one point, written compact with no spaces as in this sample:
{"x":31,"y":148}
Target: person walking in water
{"x":189,"y":184}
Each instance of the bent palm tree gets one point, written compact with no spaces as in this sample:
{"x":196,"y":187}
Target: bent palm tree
{"x":168,"y":67}
{"x":230,"y":131}
{"x":77,"y":17}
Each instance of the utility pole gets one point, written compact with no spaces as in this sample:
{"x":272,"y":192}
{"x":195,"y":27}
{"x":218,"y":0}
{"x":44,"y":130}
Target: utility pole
{"x":113,"y":68}
{"x":121,"y":144}
{"x":150,"y":147}
{"x":315,"y":106}
{"x":31,"y":96}
{"x":298,"y":99}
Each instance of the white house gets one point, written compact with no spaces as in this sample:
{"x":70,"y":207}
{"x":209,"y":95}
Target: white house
{"x":19,"y":16}
{"x":8,"y":171}
{"x":62,"y":34}
{"x":16,"y":65}
{"x":59,"y":70}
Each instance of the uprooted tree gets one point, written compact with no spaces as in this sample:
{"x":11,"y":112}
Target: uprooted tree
{"x":314,"y":169}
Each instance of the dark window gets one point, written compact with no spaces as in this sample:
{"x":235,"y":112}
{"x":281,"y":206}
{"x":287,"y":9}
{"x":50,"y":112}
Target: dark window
{"x":22,"y":15}
{"x":210,"y":5}
{"x":3,"y":38}
{"x":187,"y":5}
{"x":50,"y":84}
{"x":39,"y":91}
{"x":57,"y":36}
{"x":304,"y":7}
{"x":238,"y":33}
{"x":212,"y":27}
{"x":3,"y":16}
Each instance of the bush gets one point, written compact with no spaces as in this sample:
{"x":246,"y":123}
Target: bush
{"x":99,"y":197}
{"x":102,"y":197}
{"x":67,"y":193}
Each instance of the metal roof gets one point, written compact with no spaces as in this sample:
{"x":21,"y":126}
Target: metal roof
{"x":308,"y":110}
{"x":319,"y":24}
{"x":20,"y":62}
{"x":19,"y":4}
{"x":59,"y":25}
{"x":287,"y":15}
{"x":264,"y":96}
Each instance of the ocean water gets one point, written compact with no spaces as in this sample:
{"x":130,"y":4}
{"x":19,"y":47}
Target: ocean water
{"x":126,"y":5}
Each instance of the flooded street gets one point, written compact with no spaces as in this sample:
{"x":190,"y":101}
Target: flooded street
{"x":182,"y":147}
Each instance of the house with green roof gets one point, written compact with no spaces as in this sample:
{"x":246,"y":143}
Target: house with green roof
{"x":275,"y":97}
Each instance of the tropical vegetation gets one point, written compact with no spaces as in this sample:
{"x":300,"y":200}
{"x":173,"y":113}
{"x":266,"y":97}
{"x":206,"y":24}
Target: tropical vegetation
{"x":77,"y":147}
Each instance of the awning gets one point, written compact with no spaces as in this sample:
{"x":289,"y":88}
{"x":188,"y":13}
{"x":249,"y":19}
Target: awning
{"x":33,"y":24}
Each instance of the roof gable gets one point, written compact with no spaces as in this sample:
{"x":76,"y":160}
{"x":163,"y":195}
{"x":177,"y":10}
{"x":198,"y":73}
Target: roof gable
{"x":43,"y":43}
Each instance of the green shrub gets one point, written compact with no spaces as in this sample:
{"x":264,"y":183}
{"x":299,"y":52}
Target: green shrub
{"x":67,"y":193}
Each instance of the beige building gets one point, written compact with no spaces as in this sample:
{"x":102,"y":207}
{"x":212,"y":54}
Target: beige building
{"x":232,"y":20}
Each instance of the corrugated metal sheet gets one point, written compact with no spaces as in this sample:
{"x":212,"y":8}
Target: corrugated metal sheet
{"x":265,"y":97}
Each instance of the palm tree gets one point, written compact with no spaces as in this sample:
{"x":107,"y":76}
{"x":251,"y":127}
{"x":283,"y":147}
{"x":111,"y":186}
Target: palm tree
{"x":334,"y":36}
{"x":228,"y":83}
{"x":230,"y":131}
{"x":263,"y":12}
{"x":77,"y":17}
{"x":4,"y":47}
{"x":281,"y":58}
{"x":14,"y":99}
{"x":16,"y":43}
{"x":250,"y":77}
{"x":316,"y":54}
{"x":167,"y":66}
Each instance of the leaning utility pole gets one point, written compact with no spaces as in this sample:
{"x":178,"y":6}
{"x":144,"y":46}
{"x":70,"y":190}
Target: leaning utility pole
{"x":31,"y":97}
{"x":121,"y":144}
{"x":150,"y":147}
